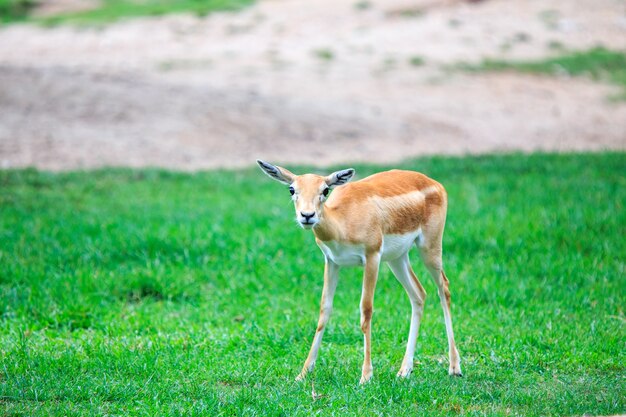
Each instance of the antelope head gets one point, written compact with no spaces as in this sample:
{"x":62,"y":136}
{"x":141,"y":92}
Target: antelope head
{"x":308,"y":191}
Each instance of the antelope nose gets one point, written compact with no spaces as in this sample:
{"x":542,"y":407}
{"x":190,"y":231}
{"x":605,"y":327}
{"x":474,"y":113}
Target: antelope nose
{"x":307,"y":216}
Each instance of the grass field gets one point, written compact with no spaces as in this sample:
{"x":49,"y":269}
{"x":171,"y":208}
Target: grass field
{"x":111,"y":10}
{"x":597,"y":63}
{"x":158,"y":293}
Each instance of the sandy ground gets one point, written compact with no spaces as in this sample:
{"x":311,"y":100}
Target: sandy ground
{"x":297,"y":81}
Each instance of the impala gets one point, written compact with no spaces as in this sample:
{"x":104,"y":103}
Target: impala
{"x":366,"y":222}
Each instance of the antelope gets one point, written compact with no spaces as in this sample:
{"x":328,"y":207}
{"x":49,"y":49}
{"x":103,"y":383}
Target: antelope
{"x":366,"y":222}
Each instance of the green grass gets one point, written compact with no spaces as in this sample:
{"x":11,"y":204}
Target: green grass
{"x":417,"y":61}
{"x":111,"y":10}
{"x":15,"y":10}
{"x":324,"y":54}
{"x":158,"y":293}
{"x":597,"y":63}
{"x":362,"y":5}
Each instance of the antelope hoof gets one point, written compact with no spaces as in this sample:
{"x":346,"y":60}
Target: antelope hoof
{"x":455,"y":370}
{"x":366,"y":376}
{"x":405,"y":371}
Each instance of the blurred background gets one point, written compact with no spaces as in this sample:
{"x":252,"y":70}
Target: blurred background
{"x":195,"y":84}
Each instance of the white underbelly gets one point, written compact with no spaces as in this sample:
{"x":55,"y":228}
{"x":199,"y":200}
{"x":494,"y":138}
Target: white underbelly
{"x":395,"y":246}
{"x":346,"y":254}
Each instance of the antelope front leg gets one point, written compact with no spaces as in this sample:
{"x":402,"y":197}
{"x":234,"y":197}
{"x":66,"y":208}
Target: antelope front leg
{"x":370,"y":276}
{"x":331,"y":275}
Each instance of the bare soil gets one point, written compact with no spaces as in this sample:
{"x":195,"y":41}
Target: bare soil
{"x":294,"y":81}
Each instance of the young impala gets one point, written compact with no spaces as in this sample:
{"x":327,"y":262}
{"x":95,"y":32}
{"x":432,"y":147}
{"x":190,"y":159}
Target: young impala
{"x":365,"y":222}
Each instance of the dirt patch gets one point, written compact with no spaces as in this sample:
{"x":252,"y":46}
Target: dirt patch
{"x":193,"y":93}
{"x":59,"y":118}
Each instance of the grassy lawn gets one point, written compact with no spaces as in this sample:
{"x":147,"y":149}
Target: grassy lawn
{"x":157,"y":293}
{"x":597,"y":63}
{"x":111,"y":10}
{"x":15,"y":10}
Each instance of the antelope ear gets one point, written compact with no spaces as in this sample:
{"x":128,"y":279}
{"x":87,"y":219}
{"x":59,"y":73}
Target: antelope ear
{"x":277,"y":173}
{"x":340,"y":177}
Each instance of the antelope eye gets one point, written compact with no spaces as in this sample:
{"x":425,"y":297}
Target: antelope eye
{"x":325,"y":192}
{"x":292,"y":191}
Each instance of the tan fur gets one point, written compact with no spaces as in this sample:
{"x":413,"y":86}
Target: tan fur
{"x":363,"y":211}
